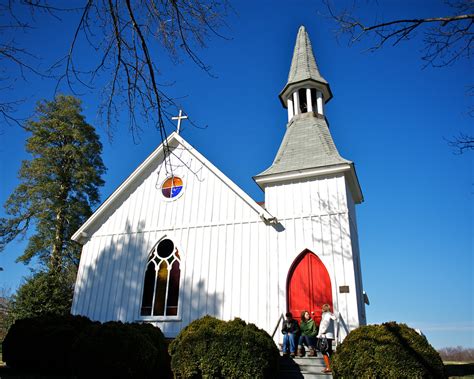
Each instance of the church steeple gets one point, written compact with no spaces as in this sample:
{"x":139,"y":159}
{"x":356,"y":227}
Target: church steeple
{"x":306,"y":89}
{"x":307,"y":150}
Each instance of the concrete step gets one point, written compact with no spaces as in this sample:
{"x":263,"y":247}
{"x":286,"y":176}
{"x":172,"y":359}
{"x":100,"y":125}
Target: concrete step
{"x":302,"y":368}
{"x":302,"y":375}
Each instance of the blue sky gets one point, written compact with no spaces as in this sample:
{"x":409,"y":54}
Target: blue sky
{"x":388,"y":115}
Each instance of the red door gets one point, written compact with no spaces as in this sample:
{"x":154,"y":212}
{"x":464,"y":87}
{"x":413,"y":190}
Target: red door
{"x":309,"y":286}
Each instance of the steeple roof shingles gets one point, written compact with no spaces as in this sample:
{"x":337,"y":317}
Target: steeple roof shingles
{"x":303,"y":64}
{"x":307,"y":144}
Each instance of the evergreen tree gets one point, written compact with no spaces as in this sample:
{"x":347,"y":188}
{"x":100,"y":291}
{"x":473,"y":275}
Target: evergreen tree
{"x":43,"y":293}
{"x":58,"y":185}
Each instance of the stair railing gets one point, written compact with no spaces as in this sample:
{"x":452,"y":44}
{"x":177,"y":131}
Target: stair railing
{"x":280,"y":319}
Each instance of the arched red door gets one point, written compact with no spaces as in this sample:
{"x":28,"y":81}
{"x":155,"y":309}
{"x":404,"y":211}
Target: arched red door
{"x":308,"y":286}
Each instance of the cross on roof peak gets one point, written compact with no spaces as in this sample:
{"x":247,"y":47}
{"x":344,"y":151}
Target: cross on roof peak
{"x":179,"y":118}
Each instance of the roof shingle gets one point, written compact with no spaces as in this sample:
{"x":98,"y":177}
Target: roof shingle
{"x":303,"y":64}
{"x":307,"y":144}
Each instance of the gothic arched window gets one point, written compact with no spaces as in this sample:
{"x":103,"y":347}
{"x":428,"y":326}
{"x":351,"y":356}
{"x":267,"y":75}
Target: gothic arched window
{"x":161,"y":285}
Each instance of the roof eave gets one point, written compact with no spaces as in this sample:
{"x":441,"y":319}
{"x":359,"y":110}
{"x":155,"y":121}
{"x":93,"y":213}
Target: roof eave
{"x":293,"y":86}
{"x":81,"y":233}
{"x":263,"y":180}
{"x":347,"y":169}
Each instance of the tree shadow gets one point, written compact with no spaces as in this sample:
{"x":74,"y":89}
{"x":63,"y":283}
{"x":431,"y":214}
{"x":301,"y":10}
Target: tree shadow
{"x":110,"y":283}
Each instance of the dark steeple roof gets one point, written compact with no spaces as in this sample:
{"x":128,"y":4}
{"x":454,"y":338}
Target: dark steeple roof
{"x":307,"y":144}
{"x":303,"y":64}
{"x":304,"y":67}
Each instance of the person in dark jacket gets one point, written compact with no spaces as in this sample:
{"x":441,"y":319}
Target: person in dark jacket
{"x":290,"y":331}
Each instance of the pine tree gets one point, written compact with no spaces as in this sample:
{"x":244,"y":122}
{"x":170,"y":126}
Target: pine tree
{"x":58,"y":185}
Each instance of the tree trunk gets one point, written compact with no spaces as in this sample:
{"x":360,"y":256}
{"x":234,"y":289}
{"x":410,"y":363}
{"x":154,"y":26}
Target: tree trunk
{"x":56,"y":256}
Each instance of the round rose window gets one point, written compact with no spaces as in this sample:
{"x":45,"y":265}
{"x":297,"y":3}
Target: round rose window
{"x":172,"y":187}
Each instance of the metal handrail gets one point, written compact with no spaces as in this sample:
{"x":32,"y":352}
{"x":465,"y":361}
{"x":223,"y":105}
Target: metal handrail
{"x":280,"y":319}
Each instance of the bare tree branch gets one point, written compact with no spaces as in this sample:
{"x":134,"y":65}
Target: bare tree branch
{"x":461,"y":143}
{"x":446,"y":40}
{"x":127,"y":41}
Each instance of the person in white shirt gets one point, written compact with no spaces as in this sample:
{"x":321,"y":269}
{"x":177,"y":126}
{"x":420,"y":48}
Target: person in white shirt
{"x":326,"y":329}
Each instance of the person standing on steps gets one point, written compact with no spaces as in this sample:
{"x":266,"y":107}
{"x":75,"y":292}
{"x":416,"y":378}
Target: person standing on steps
{"x":309,"y":330}
{"x":326,"y":330}
{"x":290,"y":330}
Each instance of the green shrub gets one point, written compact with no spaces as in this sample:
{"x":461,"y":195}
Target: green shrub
{"x":118,"y":350}
{"x":76,"y":345}
{"x":389,"y":350}
{"x":209,"y":347}
{"x":42,"y":343}
{"x":43,"y":293}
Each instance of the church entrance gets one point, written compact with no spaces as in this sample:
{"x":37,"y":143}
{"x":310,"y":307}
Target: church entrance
{"x":308,"y":286}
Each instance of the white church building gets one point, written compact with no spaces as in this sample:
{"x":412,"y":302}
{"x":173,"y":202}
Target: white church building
{"x":179,"y":240}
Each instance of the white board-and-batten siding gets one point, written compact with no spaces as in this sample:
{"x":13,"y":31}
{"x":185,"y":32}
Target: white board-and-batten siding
{"x":232,"y":263}
{"x":221,"y":240}
{"x":316,"y":215}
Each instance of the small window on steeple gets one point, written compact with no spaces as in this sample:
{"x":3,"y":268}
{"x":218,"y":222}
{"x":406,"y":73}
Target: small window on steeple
{"x":303,"y":100}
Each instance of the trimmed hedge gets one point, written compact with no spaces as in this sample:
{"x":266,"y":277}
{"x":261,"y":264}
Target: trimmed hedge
{"x":389,"y":350}
{"x":120,"y":350}
{"x":42,"y":343}
{"x":209,"y":347}
{"x":74,"y":345}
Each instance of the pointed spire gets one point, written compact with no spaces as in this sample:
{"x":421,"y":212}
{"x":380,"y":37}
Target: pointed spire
{"x":304,"y":69}
{"x":303,"y":64}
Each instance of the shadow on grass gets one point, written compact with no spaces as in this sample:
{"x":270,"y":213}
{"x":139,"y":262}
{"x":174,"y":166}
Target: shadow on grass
{"x":459,"y":369}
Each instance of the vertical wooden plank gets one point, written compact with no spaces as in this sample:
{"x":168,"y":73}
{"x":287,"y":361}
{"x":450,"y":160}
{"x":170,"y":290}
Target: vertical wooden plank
{"x":120,"y":282}
{"x":236,"y":271}
{"x":147,"y":200}
{"x":305,"y":198}
{"x":113,"y":257}
{"x":183,"y":299}
{"x":137,"y":253}
{"x":204,"y":270}
{"x":325,"y":195}
{"x":222,"y":254}
{"x":81,"y":288}
{"x":191,"y":276}
{"x":89,"y":278}
{"x":230,"y":252}
{"x":96,"y":285}
{"x":315,"y":198}
{"x":212,"y":273}
{"x":243,"y":275}
{"x":104,"y":268}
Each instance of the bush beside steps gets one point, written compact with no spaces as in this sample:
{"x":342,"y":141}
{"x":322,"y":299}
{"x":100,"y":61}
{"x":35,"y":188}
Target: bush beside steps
{"x":212,"y":348}
{"x":389,"y":350}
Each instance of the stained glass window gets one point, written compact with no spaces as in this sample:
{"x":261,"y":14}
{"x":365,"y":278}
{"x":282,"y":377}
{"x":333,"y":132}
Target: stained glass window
{"x":172,"y":187}
{"x":161,"y":284}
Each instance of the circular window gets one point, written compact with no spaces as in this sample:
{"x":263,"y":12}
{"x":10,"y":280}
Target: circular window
{"x":165,"y":248}
{"x":172,"y":187}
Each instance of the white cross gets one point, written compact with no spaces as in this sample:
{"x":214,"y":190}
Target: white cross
{"x":179,"y":118}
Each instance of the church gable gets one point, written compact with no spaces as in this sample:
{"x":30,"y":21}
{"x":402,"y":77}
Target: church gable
{"x":211,"y":223}
{"x":143,"y":202}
